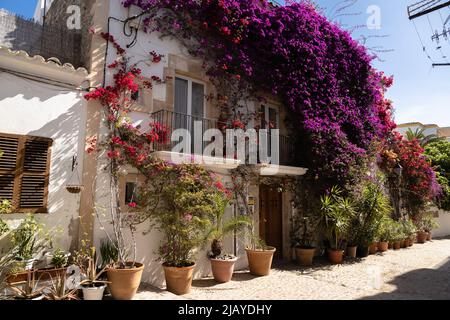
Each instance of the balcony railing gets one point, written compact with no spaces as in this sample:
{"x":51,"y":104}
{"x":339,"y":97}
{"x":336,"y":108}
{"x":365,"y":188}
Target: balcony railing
{"x":173,"y":121}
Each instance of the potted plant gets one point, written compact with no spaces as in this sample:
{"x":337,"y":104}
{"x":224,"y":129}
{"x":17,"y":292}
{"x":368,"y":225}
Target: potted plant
{"x":27,"y":240}
{"x":337,"y":212}
{"x":303,"y":235}
{"x":222,"y":264}
{"x":28,"y":289}
{"x":93,"y":287}
{"x":410,"y":231}
{"x":384,"y":234}
{"x":57,"y":259}
{"x":58,"y":290}
{"x":371,"y":206}
{"x":180,"y":202}
{"x":429,"y":223}
{"x":397,"y":235}
{"x":259,"y":255}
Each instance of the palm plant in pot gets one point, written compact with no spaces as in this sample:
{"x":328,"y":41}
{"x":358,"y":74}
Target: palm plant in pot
{"x":222,"y":264}
{"x":303,"y":236}
{"x":181,"y":202}
{"x":337,"y":212}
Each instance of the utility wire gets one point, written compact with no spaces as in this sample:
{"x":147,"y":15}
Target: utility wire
{"x":421,"y":42}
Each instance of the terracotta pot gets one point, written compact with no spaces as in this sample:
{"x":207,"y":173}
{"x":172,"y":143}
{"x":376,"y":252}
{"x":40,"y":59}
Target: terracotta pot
{"x":403,"y":243}
{"x":351,"y":251}
{"x":260,"y":261}
{"x":397,"y":245}
{"x":411,"y":242}
{"x":383,"y":246}
{"x":421,"y":237}
{"x":362,"y":252}
{"x":428,"y":236}
{"x":179,"y":279}
{"x":125,"y":282}
{"x":223,"y":269}
{"x":391,"y":245}
{"x":305,"y":256}
{"x":373,"y":248}
{"x":336,"y":256}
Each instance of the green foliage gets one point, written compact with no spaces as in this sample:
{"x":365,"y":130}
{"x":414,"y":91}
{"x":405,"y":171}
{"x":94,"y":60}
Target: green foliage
{"x":25,"y":238}
{"x":372,"y":206}
{"x":3,"y":227}
{"x":424,"y":139}
{"x":181,"y":202}
{"x":337,"y":212}
{"x":5,"y":207}
{"x":221,"y":228}
{"x":439,"y":154}
{"x":108,"y":252}
{"x":385,"y":230}
{"x":86,"y":260}
{"x":397,"y":231}
{"x":426,"y":222}
{"x":409,"y":228}
{"x":59,"y":258}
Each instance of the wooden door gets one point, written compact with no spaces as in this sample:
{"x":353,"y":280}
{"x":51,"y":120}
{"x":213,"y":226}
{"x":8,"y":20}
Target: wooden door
{"x":270,"y":218}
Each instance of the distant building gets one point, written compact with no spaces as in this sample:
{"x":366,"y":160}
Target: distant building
{"x":429,"y":129}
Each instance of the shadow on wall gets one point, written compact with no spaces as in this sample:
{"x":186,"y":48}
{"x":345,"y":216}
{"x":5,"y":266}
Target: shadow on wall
{"x":68,"y":134}
{"x":64,"y":120}
{"x":420,"y":284}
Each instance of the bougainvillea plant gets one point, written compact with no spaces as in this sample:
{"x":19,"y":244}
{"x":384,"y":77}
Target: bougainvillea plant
{"x":317,"y":70}
{"x":418,"y":183}
{"x":125,"y":144}
{"x":177,"y":199}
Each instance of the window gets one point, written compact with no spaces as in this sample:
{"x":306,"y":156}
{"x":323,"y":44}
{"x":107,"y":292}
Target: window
{"x":24,"y":172}
{"x":189,"y":105}
{"x":270,"y":120}
{"x":129,"y":189}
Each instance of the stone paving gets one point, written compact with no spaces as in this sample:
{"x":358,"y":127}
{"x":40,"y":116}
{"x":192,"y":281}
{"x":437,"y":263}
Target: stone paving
{"x":419,"y":272}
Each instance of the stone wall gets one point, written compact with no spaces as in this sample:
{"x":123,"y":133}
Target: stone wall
{"x":54,"y":39}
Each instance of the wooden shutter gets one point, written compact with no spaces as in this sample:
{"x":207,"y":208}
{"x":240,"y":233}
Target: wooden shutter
{"x":9,"y":146}
{"x":24,"y":172}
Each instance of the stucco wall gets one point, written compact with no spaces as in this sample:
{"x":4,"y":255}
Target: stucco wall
{"x":33,"y":108}
{"x":444,"y":224}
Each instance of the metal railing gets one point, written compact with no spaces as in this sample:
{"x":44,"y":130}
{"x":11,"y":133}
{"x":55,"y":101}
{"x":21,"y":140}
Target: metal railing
{"x":174,"y":120}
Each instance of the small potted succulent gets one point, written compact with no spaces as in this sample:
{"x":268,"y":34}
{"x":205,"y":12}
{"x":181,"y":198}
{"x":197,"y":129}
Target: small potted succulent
{"x":92,"y":285}
{"x":337,"y":212}
{"x":222,"y":264}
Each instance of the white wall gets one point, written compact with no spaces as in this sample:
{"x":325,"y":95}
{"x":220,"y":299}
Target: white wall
{"x":444,"y":225}
{"x":33,"y":108}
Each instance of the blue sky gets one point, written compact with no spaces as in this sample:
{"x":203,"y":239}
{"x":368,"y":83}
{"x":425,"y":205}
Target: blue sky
{"x":420,"y":93}
{"x":22,"y":7}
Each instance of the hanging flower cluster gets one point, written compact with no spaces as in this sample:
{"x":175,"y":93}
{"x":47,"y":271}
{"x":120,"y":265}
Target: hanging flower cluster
{"x":318,"y":71}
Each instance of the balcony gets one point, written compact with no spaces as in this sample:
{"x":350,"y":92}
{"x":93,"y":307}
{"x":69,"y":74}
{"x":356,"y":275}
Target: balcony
{"x":172,"y":121}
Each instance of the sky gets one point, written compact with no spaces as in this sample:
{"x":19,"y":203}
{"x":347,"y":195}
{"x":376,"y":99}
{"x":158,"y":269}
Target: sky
{"x":420,"y":93}
{"x":23,"y":7}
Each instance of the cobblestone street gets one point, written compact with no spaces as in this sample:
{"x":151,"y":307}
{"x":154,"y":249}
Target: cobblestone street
{"x":419,"y":272}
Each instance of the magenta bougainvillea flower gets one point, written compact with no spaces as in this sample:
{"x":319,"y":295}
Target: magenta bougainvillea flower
{"x":319,"y":72}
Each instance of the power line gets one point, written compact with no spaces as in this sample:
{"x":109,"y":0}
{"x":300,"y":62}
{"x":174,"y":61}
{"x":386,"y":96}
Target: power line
{"x":425,"y":7}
